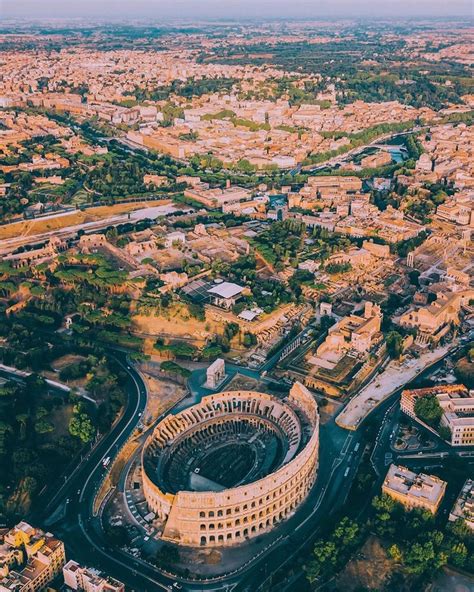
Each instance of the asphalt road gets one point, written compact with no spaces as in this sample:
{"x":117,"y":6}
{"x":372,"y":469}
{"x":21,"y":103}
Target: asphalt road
{"x":68,"y":511}
{"x":73,"y":501}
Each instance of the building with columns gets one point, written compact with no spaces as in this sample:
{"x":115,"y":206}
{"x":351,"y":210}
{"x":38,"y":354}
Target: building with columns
{"x":231,"y":467}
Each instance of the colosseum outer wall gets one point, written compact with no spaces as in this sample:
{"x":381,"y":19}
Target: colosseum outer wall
{"x":233,"y":515}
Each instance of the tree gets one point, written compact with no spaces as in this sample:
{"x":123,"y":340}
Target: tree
{"x":327,"y":322}
{"x":211,"y":351}
{"x":167,"y":556}
{"x":458,"y":553}
{"x":422,"y":557}
{"x":384,"y":507}
{"x":325,"y":556}
{"x":346,"y":531}
{"x":414,"y":276}
{"x":394,"y":344}
{"x":36,"y":382}
{"x":249,"y":340}
{"x":334,"y":268}
{"x":396,"y":553}
{"x":183,"y":350}
{"x":174,"y":368}
{"x":460,"y":529}
{"x":444,"y":433}
{"x":22,"y":419}
{"x":464,"y":371}
{"x":42,"y":426}
{"x":245,"y":166}
{"x":197,"y":311}
{"x":112,"y":234}
{"x":429,"y":410}
{"x":384,"y":503}
{"x":82,"y":427}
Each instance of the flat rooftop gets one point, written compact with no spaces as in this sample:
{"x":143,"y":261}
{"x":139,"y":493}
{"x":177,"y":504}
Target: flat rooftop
{"x":416,"y":485}
{"x":226,"y":290}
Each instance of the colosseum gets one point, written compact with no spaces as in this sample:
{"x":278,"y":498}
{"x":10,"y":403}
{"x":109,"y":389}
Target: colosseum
{"x":232,"y":466}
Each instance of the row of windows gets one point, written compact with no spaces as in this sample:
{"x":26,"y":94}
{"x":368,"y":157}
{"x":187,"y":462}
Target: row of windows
{"x":205,"y":539}
{"x":292,"y":502}
{"x":297,"y":492}
{"x":245,"y":507}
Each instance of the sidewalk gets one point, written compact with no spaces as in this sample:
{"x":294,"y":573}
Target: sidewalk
{"x":382,"y":386}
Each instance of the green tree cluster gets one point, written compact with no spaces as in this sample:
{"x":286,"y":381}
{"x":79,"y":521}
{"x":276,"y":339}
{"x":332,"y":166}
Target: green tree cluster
{"x":81,"y":425}
{"x":331,"y":553}
{"x":429,"y":410}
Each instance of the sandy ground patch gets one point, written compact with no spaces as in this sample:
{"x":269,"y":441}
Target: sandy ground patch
{"x":176,"y":321}
{"x":65,"y":361}
{"x":38,"y":226}
{"x":60,"y":418}
{"x":368,"y":570}
{"x":162,"y":393}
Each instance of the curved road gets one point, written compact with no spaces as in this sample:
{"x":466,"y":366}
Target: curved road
{"x":69,"y":512}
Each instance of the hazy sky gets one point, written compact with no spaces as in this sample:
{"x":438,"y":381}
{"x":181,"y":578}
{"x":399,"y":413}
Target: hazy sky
{"x":192,"y":9}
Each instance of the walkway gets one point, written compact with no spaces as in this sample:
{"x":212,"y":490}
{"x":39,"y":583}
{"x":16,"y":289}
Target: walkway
{"x":382,"y":386}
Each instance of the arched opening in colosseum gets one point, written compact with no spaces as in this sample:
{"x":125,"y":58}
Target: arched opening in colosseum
{"x":192,"y":459}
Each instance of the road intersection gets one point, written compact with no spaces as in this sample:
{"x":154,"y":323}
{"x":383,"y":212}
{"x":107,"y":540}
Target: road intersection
{"x":68,"y":510}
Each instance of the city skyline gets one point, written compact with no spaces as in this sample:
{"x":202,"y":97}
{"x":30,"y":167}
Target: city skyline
{"x":236,"y":295}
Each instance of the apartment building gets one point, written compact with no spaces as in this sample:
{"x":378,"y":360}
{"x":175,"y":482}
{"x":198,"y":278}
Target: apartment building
{"x":458,"y":417}
{"x":414,"y":490}
{"x":44,"y":554}
{"x":458,"y":410}
{"x":89,"y":580}
{"x":463,"y":508}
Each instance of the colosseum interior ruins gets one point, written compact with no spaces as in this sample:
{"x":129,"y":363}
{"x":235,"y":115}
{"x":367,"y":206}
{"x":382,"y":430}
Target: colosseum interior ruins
{"x":232,"y":466}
